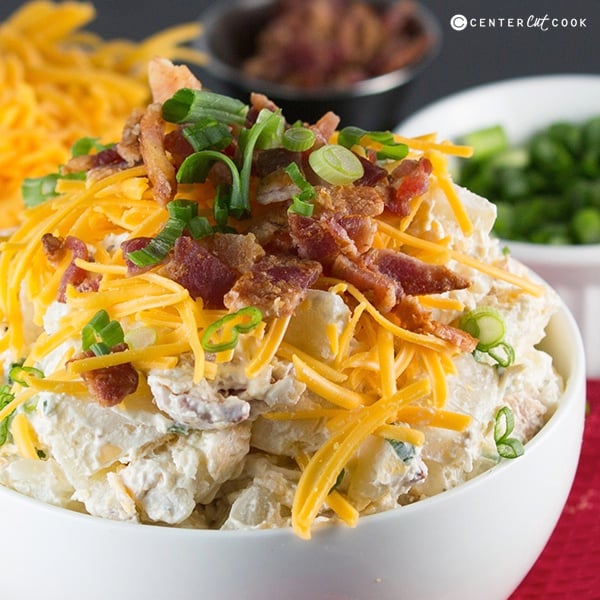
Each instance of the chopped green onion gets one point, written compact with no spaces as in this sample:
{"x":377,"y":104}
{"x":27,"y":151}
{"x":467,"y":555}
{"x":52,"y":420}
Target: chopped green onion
{"x":390,"y":149}
{"x":85,"y":145}
{"x":405,"y":451}
{"x":301,"y":203}
{"x":336,"y":164}
{"x":272,"y":133}
{"x":200,"y":227}
{"x":221,"y":204}
{"x":16,"y":371}
{"x":101,"y":334}
{"x":350,"y":136}
{"x":504,"y":425}
{"x":240,"y":205}
{"x":486,"y":324}
{"x":6,"y":397}
{"x":504,"y":359}
{"x":252,"y":314}
{"x":159,"y":246}
{"x":188,"y":106}
{"x":298,"y":139}
{"x":207,"y":133}
{"x":36,"y":190}
{"x":182,"y":209}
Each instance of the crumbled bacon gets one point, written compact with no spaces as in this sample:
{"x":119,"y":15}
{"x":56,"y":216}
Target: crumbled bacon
{"x":351,"y":200}
{"x":129,"y":145}
{"x":199,"y":271}
{"x":413,"y":276}
{"x":110,"y":385}
{"x":239,"y":252}
{"x":178,"y":147}
{"x":276,"y":285}
{"x":373,"y":173}
{"x":73,"y":275}
{"x":161,"y":171}
{"x":360,"y":229}
{"x":54,"y":248}
{"x":107,"y":159}
{"x":133,"y":245}
{"x":165,"y":79}
{"x":312,"y":239}
{"x":410,"y":179}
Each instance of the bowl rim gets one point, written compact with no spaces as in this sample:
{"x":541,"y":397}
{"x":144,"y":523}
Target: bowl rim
{"x":374,"y":85}
{"x":574,"y":387}
{"x":559,"y":255}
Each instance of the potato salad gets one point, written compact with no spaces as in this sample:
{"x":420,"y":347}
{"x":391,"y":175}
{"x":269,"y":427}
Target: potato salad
{"x":224,"y":320}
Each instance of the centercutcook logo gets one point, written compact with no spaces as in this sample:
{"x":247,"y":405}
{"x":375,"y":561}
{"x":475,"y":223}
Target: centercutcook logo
{"x":460,"y":22}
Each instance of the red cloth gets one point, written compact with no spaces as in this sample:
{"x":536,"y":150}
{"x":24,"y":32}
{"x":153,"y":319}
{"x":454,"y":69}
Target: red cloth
{"x":569,"y":566}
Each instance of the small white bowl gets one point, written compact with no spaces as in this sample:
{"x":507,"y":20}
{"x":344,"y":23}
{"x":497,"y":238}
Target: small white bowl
{"x":476,"y":541}
{"x":523,"y":106}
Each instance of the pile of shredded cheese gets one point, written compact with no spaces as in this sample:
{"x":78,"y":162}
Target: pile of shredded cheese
{"x":59,"y":82}
{"x":380,"y":373}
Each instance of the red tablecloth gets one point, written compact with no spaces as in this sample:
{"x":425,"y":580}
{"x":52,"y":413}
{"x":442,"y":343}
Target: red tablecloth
{"x":569,"y":566}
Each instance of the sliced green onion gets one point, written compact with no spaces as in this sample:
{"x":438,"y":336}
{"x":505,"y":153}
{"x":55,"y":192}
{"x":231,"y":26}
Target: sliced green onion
{"x":250,"y":317}
{"x":221,"y":204}
{"x":36,"y":190}
{"x":159,"y":246}
{"x":207,"y":133}
{"x":405,"y":451}
{"x":301,"y":203}
{"x":200,"y":227}
{"x":486,"y":324}
{"x":298,"y":139}
{"x":188,"y":106}
{"x":240,"y":205}
{"x":272,"y":133}
{"x":101,"y":334}
{"x":16,"y":371}
{"x":504,"y":425}
{"x":336,"y":164}
{"x":182,"y":209}
{"x":350,"y":136}
{"x":6,"y":397}
{"x":85,"y":145}
{"x":393,"y":151}
{"x":505,"y":358}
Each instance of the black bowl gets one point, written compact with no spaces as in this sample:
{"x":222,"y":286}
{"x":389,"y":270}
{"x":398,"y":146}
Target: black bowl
{"x":229,"y":36}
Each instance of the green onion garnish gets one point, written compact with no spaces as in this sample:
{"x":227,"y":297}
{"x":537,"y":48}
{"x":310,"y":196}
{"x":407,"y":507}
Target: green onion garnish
{"x":85,"y":145}
{"x":207,"y":133}
{"x":5,"y":399}
{"x":16,"y":372}
{"x":503,"y":426}
{"x":390,"y":149}
{"x":298,"y":139}
{"x":486,"y":324}
{"x":200,"y":227}
{"x":159,"y":246}
{"x":182,"y":209}
{"x":101,"y":334}
{"x":272,"y":133}
{"x":189,"y":106}
{"x":36,"y":190}
{"x":336,"y":164}
{"x":249,"y":317}
{"x":301,"y":202}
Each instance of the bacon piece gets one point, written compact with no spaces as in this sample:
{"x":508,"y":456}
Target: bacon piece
{"x":312,"y":239}
{"x":110,"y":385}
{"x":273,"y":159}
{"x":377,"y":287}
{"x":165,"y":79}
{"x":107,"y":158}
{"x":415,"y":318}
{"x":238,"y":251}
{"x":199,"y":271}
{"x":360,"y":229}
{"x":276,"y":187}
{"x":54,"y":248}
{"x":82,"y":280}
{"x":410,"y":179}
{"x":272,"y":231}
{"x":413,"y":276}
{"x":178,"y":147}
{"x":373,"y":174}
{"x":276,"y":285}
{"x":129,"y":146}
{"x":161,"y":172}
{"x":324,"y":128}
{"x":351,"y":200}
{"x":131,"y":246}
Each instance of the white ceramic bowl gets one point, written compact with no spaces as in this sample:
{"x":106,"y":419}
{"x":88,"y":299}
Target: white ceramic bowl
{"x":475,"y":542}
{"x":523,"y":106}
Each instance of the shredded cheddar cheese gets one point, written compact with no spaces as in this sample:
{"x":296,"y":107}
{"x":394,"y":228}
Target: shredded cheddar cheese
{"x":59,"y":83}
